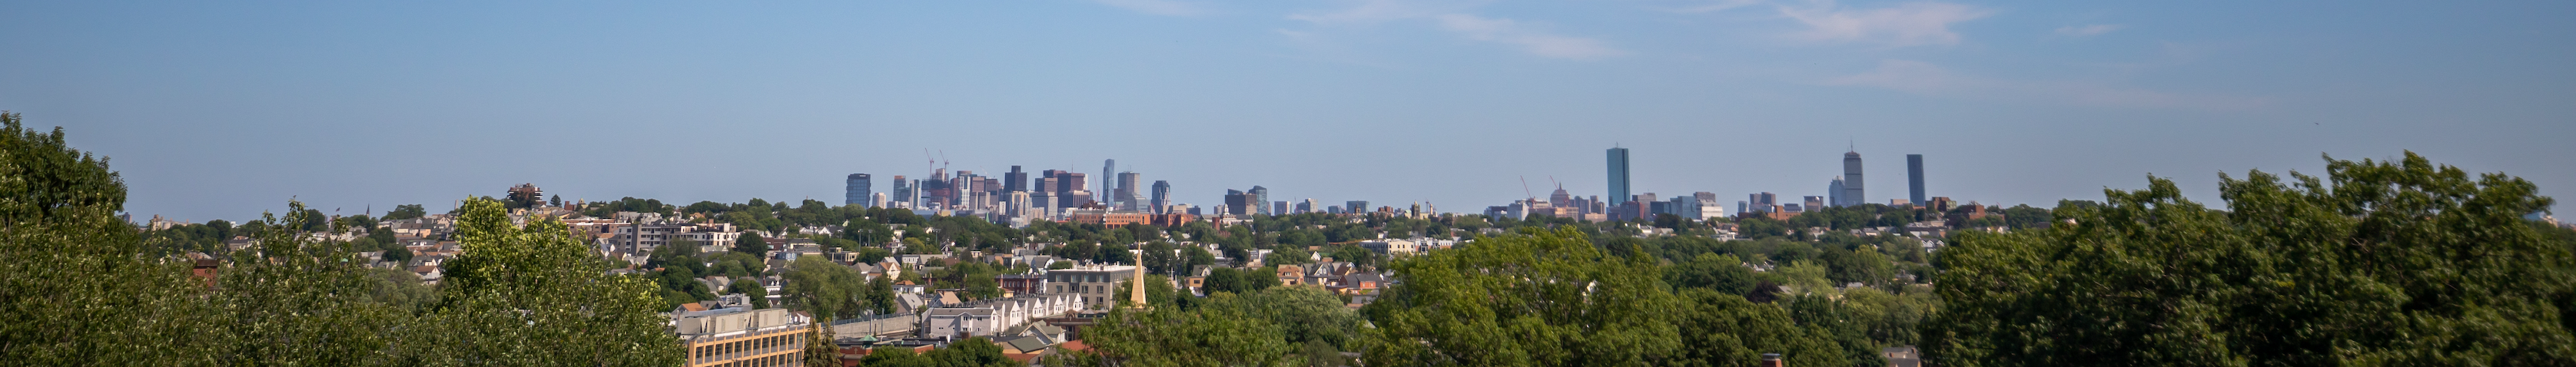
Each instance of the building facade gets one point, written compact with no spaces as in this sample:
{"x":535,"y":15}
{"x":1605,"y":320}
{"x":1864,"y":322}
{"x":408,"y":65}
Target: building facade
{"x":1854,"y":192}
{"x":1618,"y":176}
{"x":1162,"y":197}
{"x":739,"y":337}
{"x":1093,"y":287}
{"x":1914,"y":177}
{"x":856,"y":191}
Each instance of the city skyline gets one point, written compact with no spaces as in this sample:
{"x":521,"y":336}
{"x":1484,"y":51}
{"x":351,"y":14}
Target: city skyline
{"x":226,"y":110}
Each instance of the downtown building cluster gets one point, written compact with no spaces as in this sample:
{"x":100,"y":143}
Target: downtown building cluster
{"x":1120,"y":197}
{"x":1623,"y":204}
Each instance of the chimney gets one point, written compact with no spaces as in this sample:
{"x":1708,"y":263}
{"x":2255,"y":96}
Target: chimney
{"x":1771,"y":360}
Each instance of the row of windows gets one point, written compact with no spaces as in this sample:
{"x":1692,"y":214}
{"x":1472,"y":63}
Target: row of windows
{"x":782,"y":360}
{"x":1059,"y":288}
{"x":748,"y":346}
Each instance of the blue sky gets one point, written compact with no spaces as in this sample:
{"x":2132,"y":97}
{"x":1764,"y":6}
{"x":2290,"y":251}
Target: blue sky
{"x":226,"y":109}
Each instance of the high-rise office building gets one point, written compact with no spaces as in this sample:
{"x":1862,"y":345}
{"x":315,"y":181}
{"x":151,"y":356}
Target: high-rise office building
{"x":1355,"y":206}
{"x":1260,"y":199}
{"x":1237,"y":203}
{"x":1914,"y":177}
{"x":902,"y":192}
{"x":1834,"y":192}
{"x":1618,"y":176}
{"x":856,"y":191}
{"x":1852,"y":184}
{"x":1015,"y":181}
{"x":1162,"y":197}
{"x":1127,"y":196}
{"x":1108,"y":172}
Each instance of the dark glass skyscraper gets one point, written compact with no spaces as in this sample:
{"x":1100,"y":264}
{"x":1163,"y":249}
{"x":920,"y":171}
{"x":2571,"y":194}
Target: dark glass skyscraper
{"x":1914,"y":178}
{"x":1108,"y":174}
{"x":857,"y":190}
{"x":1853,"y":194}
{"x":1618,"y":176}
{"x":1015,"y":181}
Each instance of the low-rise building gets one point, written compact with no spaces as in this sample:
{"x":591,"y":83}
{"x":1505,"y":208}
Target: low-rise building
{"x":742,"y":337}
{"x":1095,"y":287}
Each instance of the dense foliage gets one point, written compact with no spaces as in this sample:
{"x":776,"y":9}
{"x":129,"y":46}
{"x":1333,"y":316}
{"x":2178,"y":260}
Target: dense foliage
{"x":78,"y":286}
{"x":2378,"y":263}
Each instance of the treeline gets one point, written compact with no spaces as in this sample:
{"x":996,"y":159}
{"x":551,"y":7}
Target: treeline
{"x":2378,"y":263}
{"x":79,"y":286}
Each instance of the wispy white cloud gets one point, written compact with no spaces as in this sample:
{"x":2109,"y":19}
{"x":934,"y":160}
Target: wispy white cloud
{"x":1926,"y":79}
{"x":1453,"y":16}
{"x":1159,"y":7}
{"x":1534,"y":41}
{"x":2087,"y":31}
{"x":1909,"y":24}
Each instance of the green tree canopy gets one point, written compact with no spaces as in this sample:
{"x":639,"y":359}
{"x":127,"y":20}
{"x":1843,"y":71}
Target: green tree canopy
{"x":534,"y":295}
{"x":2378,"y":263}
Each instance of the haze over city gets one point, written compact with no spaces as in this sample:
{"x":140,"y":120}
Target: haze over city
{"x":223,"y":110}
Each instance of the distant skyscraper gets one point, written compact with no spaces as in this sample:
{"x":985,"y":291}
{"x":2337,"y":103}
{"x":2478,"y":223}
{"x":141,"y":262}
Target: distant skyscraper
{"x":1259,"y":198}
{"x":1834,"y":192}
{"x":1162,"y":196}
{"x":1355,"y":206}
{"x":1108,"y":172}
{"x":902,"y":192}
{"x":1237,"y":203}
{"x":1015,"y":181}
{"x":1618,"y":176}
{"x":1278,"y":208}
{"x":1852,"y":184}
{"x":857,"y":191}
{"x":1127,"y":196}
{"x":1914,"y":177}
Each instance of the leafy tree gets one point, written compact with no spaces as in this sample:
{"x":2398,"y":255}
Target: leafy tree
{"x":970,"y":352}
{"x":73,"y":290}
{"x":820,"y":351}
{"x":751,"y":243}
{"x":1209,"y":336}
{"x":1539,"y":298}
{"x":1726,"y":330}
{"x":896,"y":357}
{"x":825,"y":288}
{"x":534,"y":295}
{"x":880,"y":297}
{"x":406,"y":211}
{"x":2378,"y":263}
{"x":305,"y":304}
{"x":1722,"y":273}
{"x":751,"y":289}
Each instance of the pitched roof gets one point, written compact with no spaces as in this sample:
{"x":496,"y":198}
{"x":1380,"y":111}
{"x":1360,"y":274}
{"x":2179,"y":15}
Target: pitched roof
{"x":1028,"y":344}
